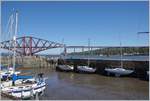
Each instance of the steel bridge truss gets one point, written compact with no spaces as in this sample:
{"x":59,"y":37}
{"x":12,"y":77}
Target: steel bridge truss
{"x":28,"y":45}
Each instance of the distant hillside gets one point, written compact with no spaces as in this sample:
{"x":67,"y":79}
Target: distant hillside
{"x":115,"y":51}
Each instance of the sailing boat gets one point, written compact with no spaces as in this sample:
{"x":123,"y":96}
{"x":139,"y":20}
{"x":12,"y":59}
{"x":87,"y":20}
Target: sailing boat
{"x":87,"y":69}
{"x":22,"y":86}
{"x":118,"y":71}
{"x":64,"y":67}
{"x":6,"y":74}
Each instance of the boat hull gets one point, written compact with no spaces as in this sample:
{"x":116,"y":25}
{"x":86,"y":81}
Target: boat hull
{"x":65,"y":68}
{"x":118,"y":71}
{"x":25,"y":92}
{"x":86,"y":69}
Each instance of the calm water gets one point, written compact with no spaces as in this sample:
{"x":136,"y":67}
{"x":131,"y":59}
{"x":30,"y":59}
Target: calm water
{"x":75,"y":86}
{"x":65,"y":85}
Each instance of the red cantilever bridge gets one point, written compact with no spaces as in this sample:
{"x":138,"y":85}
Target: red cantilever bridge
{"x":28,"y":45}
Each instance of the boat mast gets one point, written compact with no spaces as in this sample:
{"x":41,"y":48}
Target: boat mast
{"x":121,"y":54}
{"x":10,"y":33}
{"x":88,"y":52}
{"x":9,"y":37}
{"x":14,"y":40}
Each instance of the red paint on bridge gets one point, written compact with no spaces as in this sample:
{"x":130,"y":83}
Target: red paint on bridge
{"x":28,"y":45}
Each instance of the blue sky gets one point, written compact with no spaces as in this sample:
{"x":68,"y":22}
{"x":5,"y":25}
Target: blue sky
{"x":75,"y":22}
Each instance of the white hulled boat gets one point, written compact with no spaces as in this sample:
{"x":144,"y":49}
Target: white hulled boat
{"x":22,"y":86}
{"x":5,"y":74}
{"x":65,"y":67}
{"x":87,"y":68}
{"x":25,"y":89}
{"x":118,"y":71}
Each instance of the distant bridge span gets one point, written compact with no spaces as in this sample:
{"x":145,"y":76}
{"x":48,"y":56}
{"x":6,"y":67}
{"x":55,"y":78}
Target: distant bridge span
{"x":28,"y":45}
{"x":82,"y":48}
{"x":104,"y":46}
